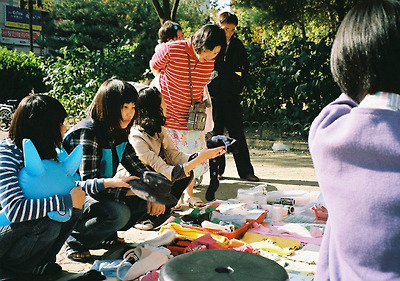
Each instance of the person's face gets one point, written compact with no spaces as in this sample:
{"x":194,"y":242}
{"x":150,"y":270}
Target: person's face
{"x":127,"y":113}
{"x":179,"y":35}
{"x":63,"y":129}
{"x":229,"y":29}
{"x":206,"y":55}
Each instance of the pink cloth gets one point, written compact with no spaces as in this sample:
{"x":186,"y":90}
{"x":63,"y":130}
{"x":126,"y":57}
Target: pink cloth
{"x":312,"y":234}
{"x":206,"y":242}
{"x":150,"y":276}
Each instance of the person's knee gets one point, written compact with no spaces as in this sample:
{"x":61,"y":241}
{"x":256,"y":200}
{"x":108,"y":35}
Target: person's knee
{"x":117,"y":214}
{"x":46,"y":230}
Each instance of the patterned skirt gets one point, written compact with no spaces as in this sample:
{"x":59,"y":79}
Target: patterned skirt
{"x":190,"y":142}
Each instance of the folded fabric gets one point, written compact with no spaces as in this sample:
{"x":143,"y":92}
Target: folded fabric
{"x":270,"y":246}
{"x":305,"y":234}
{"x":203,"y":243}
{"x":109,"y":267}
{"x":206,"y":242}
{"x":278,"y":245}
{"x":186,"y":233}
{"x":160,"y":239}
{"x":250,"y":237}
{"x":150,"y":276}
{"x":154,"y":187}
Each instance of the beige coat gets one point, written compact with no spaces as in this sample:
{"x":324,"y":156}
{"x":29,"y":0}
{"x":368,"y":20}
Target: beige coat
{"x":148,"y":150}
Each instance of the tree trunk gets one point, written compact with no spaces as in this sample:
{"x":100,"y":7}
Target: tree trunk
{"x":174,"y":10}
{"x":159,"y":10}
{"x":164,"y":12}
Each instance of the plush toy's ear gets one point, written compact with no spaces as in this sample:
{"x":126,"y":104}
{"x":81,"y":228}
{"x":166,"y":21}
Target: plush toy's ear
{"x":32,"y":160}
{"x":73,"y":161}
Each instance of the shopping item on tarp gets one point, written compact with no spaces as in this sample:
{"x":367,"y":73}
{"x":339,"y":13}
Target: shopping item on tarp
{"x":195,"y":223}
{"x":221,"y":265}
{"x":154,"y":187}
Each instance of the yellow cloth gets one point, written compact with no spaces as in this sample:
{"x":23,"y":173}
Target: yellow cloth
{"x":278,"y":245}
{"x":186,"y":233}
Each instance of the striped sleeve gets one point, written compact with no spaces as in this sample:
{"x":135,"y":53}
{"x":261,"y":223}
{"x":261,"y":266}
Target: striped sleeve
{"x":89,"y":169}
{"x":16,"y":207}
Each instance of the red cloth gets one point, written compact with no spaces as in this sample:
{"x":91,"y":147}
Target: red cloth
{"x":206,"y":242}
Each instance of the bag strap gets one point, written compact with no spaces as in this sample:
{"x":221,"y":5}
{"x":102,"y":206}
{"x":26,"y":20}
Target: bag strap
{"x":190,"y":81}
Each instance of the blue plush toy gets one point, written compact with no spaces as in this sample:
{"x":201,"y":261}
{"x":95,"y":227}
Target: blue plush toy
{"x":46,"y":178}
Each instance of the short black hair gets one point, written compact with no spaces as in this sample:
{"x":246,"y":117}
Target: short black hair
{"x":106,"y":106}
{"x":150,"y":116}
{"x":168,"y":31}
{"x":208,"y":37}
{"x":227,"y":17}
{"x":365,"y":56}
{"x":39,"y":118}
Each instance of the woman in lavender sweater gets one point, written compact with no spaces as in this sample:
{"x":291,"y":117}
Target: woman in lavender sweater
{"x":355,"y":147}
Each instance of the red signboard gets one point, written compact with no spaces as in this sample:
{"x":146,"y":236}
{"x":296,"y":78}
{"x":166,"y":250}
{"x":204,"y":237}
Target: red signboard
{"x":17,"y":37}
{"x":12,"y":33}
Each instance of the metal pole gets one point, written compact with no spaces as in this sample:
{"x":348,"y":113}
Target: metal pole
{"x":30,"y":7}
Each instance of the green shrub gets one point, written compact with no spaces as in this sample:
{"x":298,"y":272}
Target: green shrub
{"x":74,"y":78}
{"x":20,"y":73}
{"x":290,"y":87}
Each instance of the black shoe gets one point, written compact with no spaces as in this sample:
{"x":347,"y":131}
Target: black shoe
{"x":251,"y":177}
{"x":153,"y":187}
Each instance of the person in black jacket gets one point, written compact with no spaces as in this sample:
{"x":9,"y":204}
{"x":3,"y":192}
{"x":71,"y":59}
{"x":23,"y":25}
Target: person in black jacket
{"x":225,"y":86}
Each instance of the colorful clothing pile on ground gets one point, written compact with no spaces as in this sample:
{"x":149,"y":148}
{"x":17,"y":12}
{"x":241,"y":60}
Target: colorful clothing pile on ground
{"x":293,"y":242}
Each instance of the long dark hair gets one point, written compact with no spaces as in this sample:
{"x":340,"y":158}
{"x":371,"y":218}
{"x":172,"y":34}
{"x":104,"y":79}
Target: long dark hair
{"x":39,"y":118}
{"x":365,"y":56}
{"x":106,"y":106}
{"x":150,"y":116}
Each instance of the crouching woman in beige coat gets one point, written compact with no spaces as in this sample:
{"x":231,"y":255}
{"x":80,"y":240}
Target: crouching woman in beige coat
{"x":156,"y":150}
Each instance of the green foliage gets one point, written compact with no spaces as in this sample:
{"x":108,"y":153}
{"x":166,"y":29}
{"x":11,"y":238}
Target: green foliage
{"x":298,"y":13}
{"x":291,"y":86}
{"x":74,"y":78}
{"x":95,"y":23}
{"x":19,"y":74}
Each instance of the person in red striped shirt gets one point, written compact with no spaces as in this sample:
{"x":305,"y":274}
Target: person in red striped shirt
{"x":172,"y":59}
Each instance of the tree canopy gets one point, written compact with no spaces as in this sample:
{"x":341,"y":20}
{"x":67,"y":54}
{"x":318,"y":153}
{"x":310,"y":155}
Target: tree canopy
{"x":299,"y":13}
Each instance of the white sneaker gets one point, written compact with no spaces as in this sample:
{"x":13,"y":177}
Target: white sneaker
{"x":144,"y":225}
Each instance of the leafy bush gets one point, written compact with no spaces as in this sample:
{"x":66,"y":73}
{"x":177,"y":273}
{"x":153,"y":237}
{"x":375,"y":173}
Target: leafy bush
{"x":20,"y":73}
{"x":289,"y":87}
{"x":74,"y":78}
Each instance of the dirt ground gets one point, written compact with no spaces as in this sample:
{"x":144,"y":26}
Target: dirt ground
{"x":281,"y":170}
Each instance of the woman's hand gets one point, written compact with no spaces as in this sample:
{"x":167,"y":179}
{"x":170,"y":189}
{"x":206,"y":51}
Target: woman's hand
{"x":155,"y":209}
{"x":78,"y":197}
{"x":210,"y":153}
{"x":118,"y":182}
{"x":204,"y":154}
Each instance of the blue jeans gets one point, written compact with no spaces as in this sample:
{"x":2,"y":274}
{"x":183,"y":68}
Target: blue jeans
{"x":25,"y":245}
{"x":102,"y":218}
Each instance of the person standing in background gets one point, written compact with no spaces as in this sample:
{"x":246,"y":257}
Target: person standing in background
{"x":225,"y":87}
{"x":173,"y":59}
